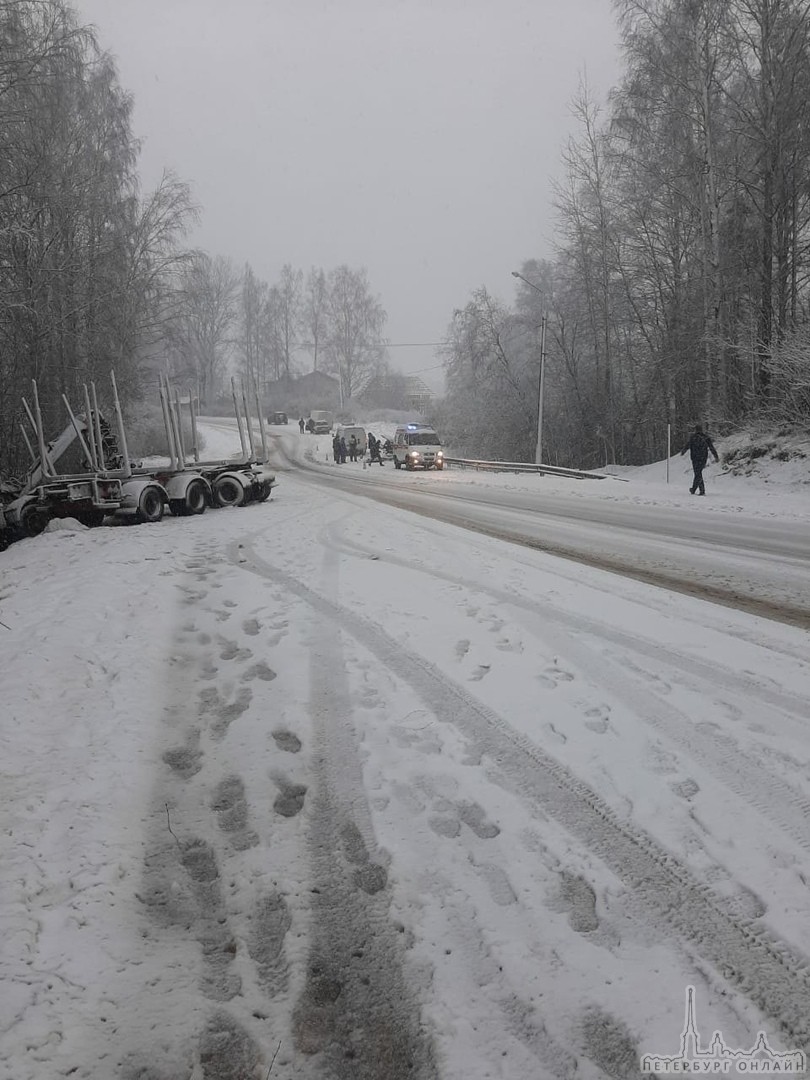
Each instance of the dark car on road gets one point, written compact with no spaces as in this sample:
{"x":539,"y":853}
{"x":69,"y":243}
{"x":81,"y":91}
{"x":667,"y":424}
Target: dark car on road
{"x":278,"y":418}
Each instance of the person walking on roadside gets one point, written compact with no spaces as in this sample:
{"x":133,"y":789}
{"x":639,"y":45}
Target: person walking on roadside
{"x":301,"y":425}
{"x":373,"y":449}
{"x":336,"y":449}
{"x":699,"y":445}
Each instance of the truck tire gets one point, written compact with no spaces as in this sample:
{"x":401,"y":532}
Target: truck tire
{"x":228,"y":491}
{"x":33,"y":519}
{"x":150,"y":506}
{"x":196,"y":497}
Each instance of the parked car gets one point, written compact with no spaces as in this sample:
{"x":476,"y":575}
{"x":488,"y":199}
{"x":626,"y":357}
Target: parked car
{"x":278,"y":418}
{"x":322,"y":421}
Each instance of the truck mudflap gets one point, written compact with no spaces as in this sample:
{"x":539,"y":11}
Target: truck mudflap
{"x":263,"y":482}
{"x":263,"y":475}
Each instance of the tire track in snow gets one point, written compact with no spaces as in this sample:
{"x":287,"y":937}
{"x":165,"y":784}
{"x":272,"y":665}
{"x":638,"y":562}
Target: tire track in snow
{"x":356,"y":1008}
{"x":764,"y":969}
{"x":773,"y":796}
{"x":569,"y":620}
{"x":734,"y":595}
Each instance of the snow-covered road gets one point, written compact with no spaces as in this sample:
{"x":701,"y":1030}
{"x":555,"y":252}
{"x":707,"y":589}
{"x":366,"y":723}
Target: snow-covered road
{"x":321,"y":788}
{"x":755,"y":561}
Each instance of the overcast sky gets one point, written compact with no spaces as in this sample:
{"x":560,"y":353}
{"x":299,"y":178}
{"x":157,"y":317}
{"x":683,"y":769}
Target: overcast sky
{"x":416,"y":138}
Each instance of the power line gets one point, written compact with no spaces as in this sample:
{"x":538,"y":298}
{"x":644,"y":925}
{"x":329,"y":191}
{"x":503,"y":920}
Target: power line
{"x":386,"y":344}
{"x":419,"y":372}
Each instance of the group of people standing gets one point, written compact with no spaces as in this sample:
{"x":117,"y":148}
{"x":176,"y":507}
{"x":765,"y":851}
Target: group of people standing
{"x":351,"y":451}
{"x":341,"y":450}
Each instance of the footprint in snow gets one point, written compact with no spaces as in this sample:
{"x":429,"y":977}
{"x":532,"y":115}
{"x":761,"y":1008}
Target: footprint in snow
{"x":285,"y":740}
{"x":597,"y":719}
{"x":480,"y":672}
{"x":551,"y":677}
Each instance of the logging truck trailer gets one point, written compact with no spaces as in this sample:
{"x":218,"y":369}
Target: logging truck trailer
{"x":248,"y":479}
{"x":111,"y":483}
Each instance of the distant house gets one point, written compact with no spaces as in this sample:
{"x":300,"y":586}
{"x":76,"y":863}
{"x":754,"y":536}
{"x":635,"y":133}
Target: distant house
{"x":396,"y":391}
{"x":299,"y":394}
{"x":419,"y":396}
{"x":318,"y":388}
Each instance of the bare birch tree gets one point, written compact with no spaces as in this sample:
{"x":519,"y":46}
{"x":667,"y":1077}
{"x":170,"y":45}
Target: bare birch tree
{"x":355,"y":323}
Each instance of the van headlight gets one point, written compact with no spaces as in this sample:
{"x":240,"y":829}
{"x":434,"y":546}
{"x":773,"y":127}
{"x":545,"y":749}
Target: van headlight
{"x":439,"y":454}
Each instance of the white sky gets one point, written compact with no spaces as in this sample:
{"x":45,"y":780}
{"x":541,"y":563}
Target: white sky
{"x":417,"y":139}
{"x":581,"y":793}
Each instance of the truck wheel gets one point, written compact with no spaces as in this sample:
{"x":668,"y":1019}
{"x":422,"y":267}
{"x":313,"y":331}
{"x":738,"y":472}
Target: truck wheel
{"x":263,"y":493}
{"x":150,"y":506}
{"x":196,"y":497}
{"x":33,"y":519}
{"x":228,"y":492}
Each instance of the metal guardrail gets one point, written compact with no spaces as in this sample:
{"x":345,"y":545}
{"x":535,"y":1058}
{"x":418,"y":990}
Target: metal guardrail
{"x":525,"y":467}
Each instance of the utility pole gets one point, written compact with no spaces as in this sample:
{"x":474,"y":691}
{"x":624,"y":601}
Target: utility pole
{"x":538,"y":453}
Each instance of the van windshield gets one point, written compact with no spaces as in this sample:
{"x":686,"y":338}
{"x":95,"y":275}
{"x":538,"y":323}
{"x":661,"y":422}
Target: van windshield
{"x":423,"y":438}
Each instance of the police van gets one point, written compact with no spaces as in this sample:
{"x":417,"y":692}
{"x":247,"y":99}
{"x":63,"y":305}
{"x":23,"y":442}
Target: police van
{"x":417,"y":446}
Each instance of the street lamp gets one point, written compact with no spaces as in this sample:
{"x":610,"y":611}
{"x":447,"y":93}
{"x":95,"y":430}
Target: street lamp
{"x":538,"y":454}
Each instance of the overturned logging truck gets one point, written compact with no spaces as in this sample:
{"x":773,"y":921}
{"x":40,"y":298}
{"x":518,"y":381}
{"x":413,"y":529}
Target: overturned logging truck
{"x":108,"y":482}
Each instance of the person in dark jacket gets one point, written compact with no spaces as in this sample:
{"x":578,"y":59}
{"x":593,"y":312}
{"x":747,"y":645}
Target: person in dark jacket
{"x":699,"y":445}
{"x":373,"y":449}
{"x":301,"y":425}
{"x":336,"y":449}
{"x":342,"y":442}
{"x":353,"y":448}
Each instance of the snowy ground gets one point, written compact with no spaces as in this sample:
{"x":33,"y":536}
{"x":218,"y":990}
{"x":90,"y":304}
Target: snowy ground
{"x":319,"y":788}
